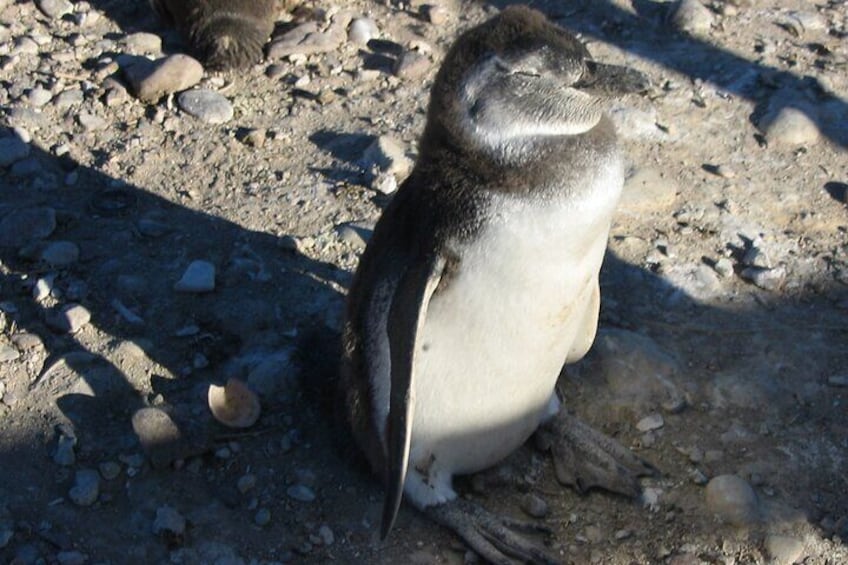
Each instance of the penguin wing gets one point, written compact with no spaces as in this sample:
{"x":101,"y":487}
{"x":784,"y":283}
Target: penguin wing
{"x":407,"y":313}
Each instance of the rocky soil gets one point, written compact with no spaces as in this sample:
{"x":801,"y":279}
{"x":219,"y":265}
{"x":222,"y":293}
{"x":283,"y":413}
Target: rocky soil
{"x":164,"y":230}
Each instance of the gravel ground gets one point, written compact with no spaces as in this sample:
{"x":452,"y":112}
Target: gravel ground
{"x":164,"y":230}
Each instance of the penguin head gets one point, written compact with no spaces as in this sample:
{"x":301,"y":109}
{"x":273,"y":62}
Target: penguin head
{"x":516,"y":80}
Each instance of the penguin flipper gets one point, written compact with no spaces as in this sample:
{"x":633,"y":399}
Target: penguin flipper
{"x":406,"y":320}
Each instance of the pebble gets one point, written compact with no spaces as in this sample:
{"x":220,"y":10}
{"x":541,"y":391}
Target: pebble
{"x":724,"y":267}
{"x":39,"y":96}
{"x":69,"y":98}
{"x":307,"y":39}
{"x":28,"y":167}
{"x":436,"y":14}
{"x":838,"y":380}
{"x":109,"y":470}
{"x":385,"y":183}
{"x":199,"y":276}
{"x":27,"y":341}
{"x":767,"y":279}
{"x":692,"y":16}
{"x":262,"y":517}
{"x":65,"y":455}
{"x":790,"y":126}
{"x":8,"y":353}
{"x":784,"y":550}
{"x":59,"y":254}
{"x":12,"y":150}
{"x":411,"y":66}
{"x":326,"y":535}
{"x":636,"y":124}
{"x":86,"y":487}
{"x":71,"y":318}
{"x":534,"y":505}
{"x":352,"y":235}
{"x":23,"y":226}
{"x":647,"y":189}
{"x":159,"y":436}
{"x":141,"y":43}
{"x":91,"y":122}
{"x":246,"y":483}
{"x":362,"y":30}
{"x":168,"y":521}
{"x":206,"y":105}
{"x":152,"y":80}
{"x":301,"y":492}
{"x":733,"y":500}
{"x":71,"y":557}
{"x":387,"y":154}
{"x":55,"y":8}
{"x":652,"y":422}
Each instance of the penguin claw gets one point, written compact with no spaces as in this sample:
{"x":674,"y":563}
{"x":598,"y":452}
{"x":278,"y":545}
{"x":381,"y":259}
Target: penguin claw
{"x":585,"y":458}
{"x":491,"y":536}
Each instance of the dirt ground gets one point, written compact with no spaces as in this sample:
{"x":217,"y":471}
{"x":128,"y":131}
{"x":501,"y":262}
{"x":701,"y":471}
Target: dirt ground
{"x":724,"y":294}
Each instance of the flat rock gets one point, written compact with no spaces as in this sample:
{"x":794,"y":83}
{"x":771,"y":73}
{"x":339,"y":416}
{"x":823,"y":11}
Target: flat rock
{"x":790,"y":126}
{"x":387,"y":154}
{"x":733,"y":500}
{"x":646,"y":189}
{"x":206,"y":105}
{"x":784,"y":550}
{"x":86,"y":487}
{"x":12,"y":150}
{"x":411,"y":65}
{"x":169,"y":521}
{"x":70,"y":319}
{"x":152,"y":80}
{"x":691,"y":16}
{"x":635,"y":123}
{"x":60,"y":254}
{"x":141,"y":43}
{"x":307,"y":38}
{"x":8,"y":353}
{"x":55,"y":8}
{"x":199,"y":276}
{"x":159,"y":435}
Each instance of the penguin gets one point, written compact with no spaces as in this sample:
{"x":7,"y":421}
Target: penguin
{"x":480,"y":281}
{"x":225,"y":34}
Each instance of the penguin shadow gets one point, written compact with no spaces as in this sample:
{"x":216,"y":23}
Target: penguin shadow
{"x":146,"y":344}
{"x":645,"y":32}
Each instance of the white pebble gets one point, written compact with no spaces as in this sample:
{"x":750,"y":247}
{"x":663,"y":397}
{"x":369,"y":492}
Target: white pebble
{"x":733,"y":500}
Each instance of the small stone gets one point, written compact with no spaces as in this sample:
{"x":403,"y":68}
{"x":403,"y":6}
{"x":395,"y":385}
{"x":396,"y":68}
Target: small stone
{"x":168,"y":521}
{"x":651,"y":422}
{"x":621,"y":535}
{"x":141,"y":43}
{"x":199,"y":276}
{"x":71,"y":557}
{"x":326,"y":535}
{"x":69,"y":98}
{"x":152,"y":80}
{"x":39,"y":96}
{"x":388,"y":155}
{"x":790,"y":126}
{"x":27,"y":341}
{"x":691,"y":16}
{"x":55,"y":9}
{"x":362,"y":30}
{"x":436,"y":14}
{"x":784,"y":550}
{"x":351,"y":235}
{"x":206,"y":105}
{"x":109,"y":470}
{"x":70,"y":319}
{"x":756,"y":257}
{"x":86,"y":487}
{"x":385,"y":183}
{"x":262,"y":517}
{"x":60,"y":254}
{"x":12,"y":150}
{"x":91,"y":122}
{"x":65,"y":455}
{"x":300,"y":492}
{"x":647,"y":189}
{"x":733,"y":500}
{"x":767,"y":279}
{"x":255,"y":137}
{"x":8,"y":353}
{"x":534,"y":505}
{"x":724,"y":267}
{"x":246,"y":483}
{"x":411,"y":65}
{"x":838,"y":380}
{"x":24,"y":168}
{"x":159,"y":436}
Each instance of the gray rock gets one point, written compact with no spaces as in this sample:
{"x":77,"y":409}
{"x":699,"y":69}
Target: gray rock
{"x":262,"y":517}
{"x":168,"y":521}
{"x":637,"y":124}
{"x":28,"y":118}
{"x":69,"y":319}
{"x":12,"y":150}
{"x":767,"y":279}
{"x":784,"y":550}
{"x":436,"y":14}
{"x":272,"y":377}
{"x":386,"y":154}
{"x":152,"y":80}
{"x":27,"y":341}
{"x":651,"y":422}
{"x":306,"y":38}
{"x":199,"y":276}
{"x":86,"y":487}
{"x":29,"y":167}
{"x":246,"y":483}
{"x":534,"y":505}
{"x":109,"y":470}
{"x":411,"y":65}
{"x":362,"y":30}
{"x":691,"y":16}
{"x":724,"y":267}
{"x":326,"y":535}
{"x":159,"y":436}
{"x":91,"y":122}
{"x":71,"y":557}
{"x":141,"y":43}
{"x":352,"y":234}
{"x":64,"y":454}
{"x":647,"y":189}
{"x":790,"y":126}
{"x":59,"y":254}
{"x":206,"y":105}
{"x":8,"y":353}
{"x":838,"y":380}
{"x":301,"y":492}
{"x":25,"y":46}
{"x":39,"y":96}
{"x":733,"y":500}
{"x":69,"y":98}
{"x":55,"y":8}
{"x":23,"y":226}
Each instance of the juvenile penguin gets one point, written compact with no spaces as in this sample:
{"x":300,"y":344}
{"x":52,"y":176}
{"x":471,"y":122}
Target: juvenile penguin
{"x":225,"y":34}
{"x":481,"y":279}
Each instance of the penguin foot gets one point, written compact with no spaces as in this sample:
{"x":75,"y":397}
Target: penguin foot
{"x":585,"y":458}
{"x":493,"y":537}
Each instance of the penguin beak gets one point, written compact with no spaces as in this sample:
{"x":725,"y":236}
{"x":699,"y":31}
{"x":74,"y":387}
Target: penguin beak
{"x":612,"y":80}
